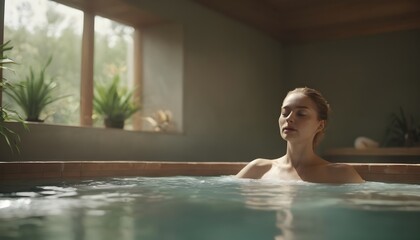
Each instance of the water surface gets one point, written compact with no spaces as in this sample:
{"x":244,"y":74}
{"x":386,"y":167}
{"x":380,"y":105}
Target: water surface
{"x":200,"y":208}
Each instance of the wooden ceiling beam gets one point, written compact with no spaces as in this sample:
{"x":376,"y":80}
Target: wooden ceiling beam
{"x":345,"y":12}
{"x":285,"y":20}
{"x":117,"y":10}
{"x":362,"y":28}
{"x":303,"y":20}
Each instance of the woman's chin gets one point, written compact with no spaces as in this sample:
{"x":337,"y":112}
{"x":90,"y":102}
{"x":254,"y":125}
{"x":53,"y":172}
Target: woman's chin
{"x":288,"y":137}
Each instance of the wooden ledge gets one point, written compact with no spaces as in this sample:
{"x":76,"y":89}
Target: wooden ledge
{"x":65,"y":170}
{"x":94,"y":169}
{"x":390,"y":173}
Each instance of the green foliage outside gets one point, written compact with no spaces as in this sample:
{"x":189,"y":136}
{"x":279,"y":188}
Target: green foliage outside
{"x":6,"y":114}
{"x":34,"y":93}
{"x":62,"y":40}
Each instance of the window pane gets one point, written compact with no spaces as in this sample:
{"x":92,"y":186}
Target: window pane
{"x":112,"y":57}
{"x":38,"y":30}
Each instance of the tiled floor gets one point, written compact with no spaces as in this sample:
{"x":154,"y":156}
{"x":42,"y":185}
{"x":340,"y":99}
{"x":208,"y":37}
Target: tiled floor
{"x":398,"y":173}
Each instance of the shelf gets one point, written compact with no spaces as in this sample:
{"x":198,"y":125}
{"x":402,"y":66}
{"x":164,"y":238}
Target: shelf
{"x":413,"y":151}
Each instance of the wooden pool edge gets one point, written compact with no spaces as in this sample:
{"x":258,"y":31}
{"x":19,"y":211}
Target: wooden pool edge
{"x":66,"y":170}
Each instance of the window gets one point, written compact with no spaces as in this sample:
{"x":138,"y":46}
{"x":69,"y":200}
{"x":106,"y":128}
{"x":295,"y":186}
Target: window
{"x":113,"y":56}
{"x":40,"y":29}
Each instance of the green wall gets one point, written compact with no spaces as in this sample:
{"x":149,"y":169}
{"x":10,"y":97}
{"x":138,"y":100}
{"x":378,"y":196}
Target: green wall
{"x":365,"y":79}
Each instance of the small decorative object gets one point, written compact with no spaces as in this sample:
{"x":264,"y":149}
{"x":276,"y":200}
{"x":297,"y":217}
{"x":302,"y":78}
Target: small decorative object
{"x":402,"y":131}
{"x":114,"y":103}
{"x":160,"y":120}
{"x":34,"y":93}
{"x":365,"y":143}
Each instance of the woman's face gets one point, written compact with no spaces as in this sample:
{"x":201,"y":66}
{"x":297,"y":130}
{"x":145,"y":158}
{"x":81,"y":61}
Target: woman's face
{"x":298,"y":120}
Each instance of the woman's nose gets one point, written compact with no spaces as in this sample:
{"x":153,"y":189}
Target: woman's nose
{"x":290,"y":118}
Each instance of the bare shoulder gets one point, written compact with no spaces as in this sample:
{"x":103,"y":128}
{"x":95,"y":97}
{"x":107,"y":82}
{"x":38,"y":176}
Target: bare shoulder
{"x":344,"y":173}
{"x":255,"y":169}
{"x":261,"y":162}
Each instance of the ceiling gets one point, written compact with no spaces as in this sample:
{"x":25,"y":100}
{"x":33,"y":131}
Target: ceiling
{"x":117,"y":10}
{"x":309,"y":20}
{"x":288,"y":21}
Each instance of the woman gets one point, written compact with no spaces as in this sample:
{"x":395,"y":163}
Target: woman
{"x":302,"y":123}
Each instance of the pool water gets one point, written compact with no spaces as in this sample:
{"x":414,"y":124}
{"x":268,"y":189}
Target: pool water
{"x":201,"y":208}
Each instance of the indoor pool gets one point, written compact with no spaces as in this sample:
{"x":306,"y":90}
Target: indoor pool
{"x":200,"y":208}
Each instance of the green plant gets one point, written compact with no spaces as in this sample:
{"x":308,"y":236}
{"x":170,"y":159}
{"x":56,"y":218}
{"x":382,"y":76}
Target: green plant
{"x":402,"y":131}
{"x":34,"y":93}
{"x":114,"y":103}
{"x":12,"y":138}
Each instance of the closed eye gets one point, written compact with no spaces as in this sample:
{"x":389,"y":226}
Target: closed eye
{"x":302,"y":113}
{"x":285,"y":113}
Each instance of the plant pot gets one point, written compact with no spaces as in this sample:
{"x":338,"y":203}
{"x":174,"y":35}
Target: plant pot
{"x":34,"y":120}
{"x":112,"y":123}
{"x":409,"y":138}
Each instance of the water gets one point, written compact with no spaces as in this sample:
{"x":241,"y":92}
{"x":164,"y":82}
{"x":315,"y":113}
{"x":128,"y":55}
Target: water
{"x":201,"y":208}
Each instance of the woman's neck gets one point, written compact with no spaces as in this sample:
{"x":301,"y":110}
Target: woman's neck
{"x":300,"y":155}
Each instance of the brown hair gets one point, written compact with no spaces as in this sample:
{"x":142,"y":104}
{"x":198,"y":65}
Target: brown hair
{"x":323,"y":108}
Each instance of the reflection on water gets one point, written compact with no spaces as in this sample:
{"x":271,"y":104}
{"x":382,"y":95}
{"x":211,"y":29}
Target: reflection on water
{"x":276,"y":197}
{"x":279,"y":197}
{"x":319,"y":211}
{"x":268,"y":197}
{"x":208,"y":208}
{"x":373,"y":200}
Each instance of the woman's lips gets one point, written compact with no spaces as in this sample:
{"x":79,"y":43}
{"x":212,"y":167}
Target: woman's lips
{"x":288,"y":129}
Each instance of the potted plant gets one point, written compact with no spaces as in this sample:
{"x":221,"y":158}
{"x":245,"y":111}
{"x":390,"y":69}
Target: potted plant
{"x":402,"y":131}
{"x":11,"y":138}
{"x":34,"y":93}
{"x":114,"y":103}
